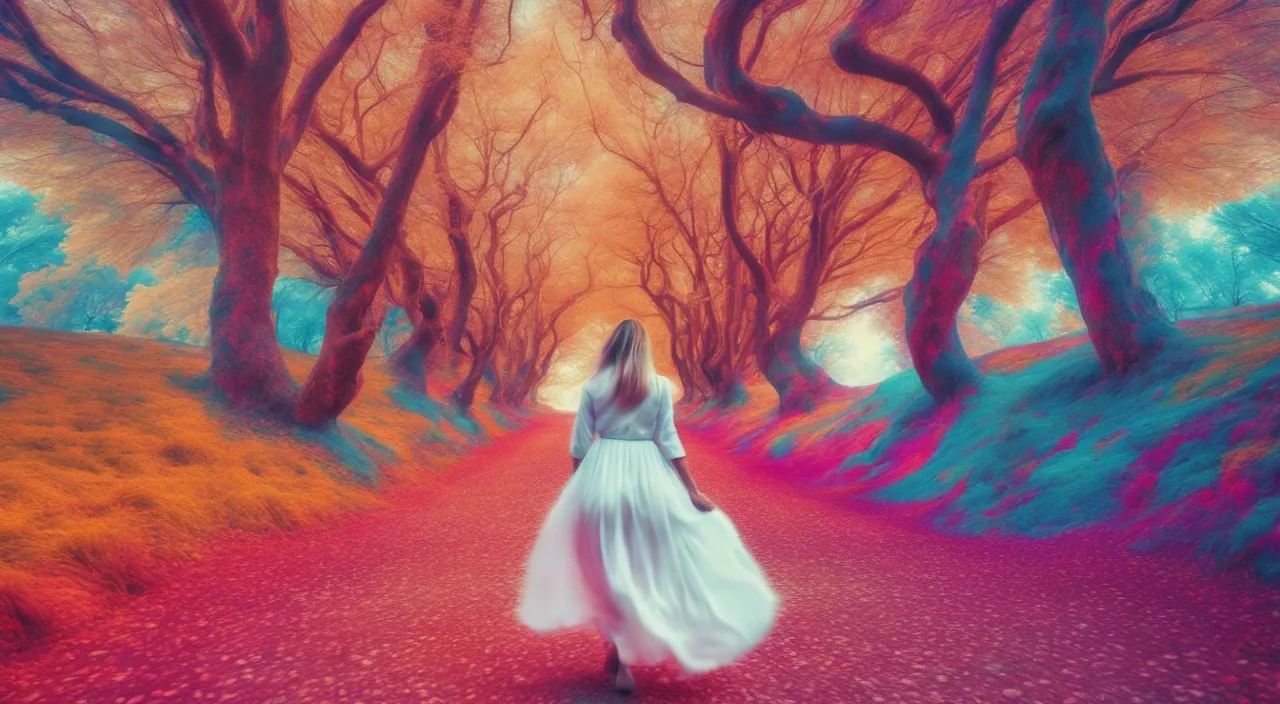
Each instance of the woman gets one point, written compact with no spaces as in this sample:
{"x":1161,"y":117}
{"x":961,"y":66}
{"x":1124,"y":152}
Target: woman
{"x":631,"y":547}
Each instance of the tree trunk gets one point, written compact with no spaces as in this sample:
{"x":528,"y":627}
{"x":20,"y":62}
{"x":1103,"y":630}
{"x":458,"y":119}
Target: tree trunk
{"x":465,"y":264}
{"x":688,"y":341}
{"x":687,"y":385}
{"x":947,"y":262}
{"x":1062,"y":151}
{"x":944,"y":272}
{"x":535,"y":384}
{"x":730,"y":392}
{"x":796,"y":378}
{"x":350,"y":329}
{"x":410,"y":361}
{"x":498,"y":381}
{"x":464,"y":396}
{"x":799,"y":381}
{"x":517,"y":390}
{"x":247,"y":367}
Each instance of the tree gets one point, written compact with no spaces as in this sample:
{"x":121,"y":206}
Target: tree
{"x":926,"y":129}
{"x":506,"y":169}
{"x":535,"y":334}
{"x":1190,"y":269}
{"x":699,"y":275}
{"x":460,"y":216}
{"x":789,"y":263}
{"x":948,"y":258}
{"x":681,"y":264}
{"x":337,"y":189}
{"x":335,"y":192}
{"x":1047,"y":309}
{"x":225,"y":153}
{"x":1062,"y":151}
{"x":662,"y":269}
{"x":87,"y":297}
{"x":1253,"y":223}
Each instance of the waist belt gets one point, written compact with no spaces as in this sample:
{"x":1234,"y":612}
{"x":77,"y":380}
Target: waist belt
{"x":606,"y":437}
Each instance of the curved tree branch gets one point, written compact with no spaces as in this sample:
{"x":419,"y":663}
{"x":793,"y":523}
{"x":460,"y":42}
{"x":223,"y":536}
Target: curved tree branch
{"x":851,"y":54}
{"x":762,"y":108}
{"x":1104,"y":80}
{"x":299,"y":113}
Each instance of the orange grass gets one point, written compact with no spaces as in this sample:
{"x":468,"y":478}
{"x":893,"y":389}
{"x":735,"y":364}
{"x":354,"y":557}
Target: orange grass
{"x":113,"y":465}
{"x":1011,"y":360}
{"x":1252,"y":345}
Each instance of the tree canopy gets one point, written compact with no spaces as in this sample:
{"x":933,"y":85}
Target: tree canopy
{"x":478,"y":185}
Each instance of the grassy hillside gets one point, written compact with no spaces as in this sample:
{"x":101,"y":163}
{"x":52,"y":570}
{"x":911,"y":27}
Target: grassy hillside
{"x":1183,"y":454}
{"x":115,"y":465}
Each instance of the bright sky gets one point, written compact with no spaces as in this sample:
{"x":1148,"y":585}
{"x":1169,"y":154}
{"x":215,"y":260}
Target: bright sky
{"x":866,"y":356}
{"x":563,"y":397}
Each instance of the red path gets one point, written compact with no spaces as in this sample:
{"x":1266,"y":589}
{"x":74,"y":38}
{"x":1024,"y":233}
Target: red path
{"x":415,"y":603}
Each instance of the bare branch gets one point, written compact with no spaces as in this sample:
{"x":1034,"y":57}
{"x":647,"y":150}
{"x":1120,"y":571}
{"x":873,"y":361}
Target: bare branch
{"x":851,"y":53}
{"x":299,"y":113}
{"x":762,"y":108}
{"x":1104,"y":80}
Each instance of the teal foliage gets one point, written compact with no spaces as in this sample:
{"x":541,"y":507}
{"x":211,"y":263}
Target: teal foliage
{"x":782,"y":446}
{"x":1253,"y":223}
{"x":85,"y":296}
{"x":1033,"y":321}
{"x":300,"y":306}
{"x":92,"y":300}
{"x":358,"y":451}
{"x":194,"y":240}
{"x":396,"y":328}
{"x":415,"y":402}
{"x":29,"y":241}
{"x":1056,"y":446}
{"x":1232,"y":259}
{"x":1190,"y":272}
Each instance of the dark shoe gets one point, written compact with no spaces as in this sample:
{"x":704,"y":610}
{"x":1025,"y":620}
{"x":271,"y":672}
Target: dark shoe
{"x":624,"y":682}
{"x":611,"y":661}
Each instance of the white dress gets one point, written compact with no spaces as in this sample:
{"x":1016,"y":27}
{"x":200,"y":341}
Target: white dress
{"x":624,"y":550}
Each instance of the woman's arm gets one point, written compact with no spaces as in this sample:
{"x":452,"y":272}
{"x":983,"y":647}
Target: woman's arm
{"x":664,"y":431}
{"x":669,"y":443}
{"x":584,"y":429}
{"x":682,"y":469}
{"x":700,"y":501}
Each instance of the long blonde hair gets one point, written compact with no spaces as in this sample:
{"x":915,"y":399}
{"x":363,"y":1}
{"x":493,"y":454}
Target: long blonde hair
{"x":628,"y":352}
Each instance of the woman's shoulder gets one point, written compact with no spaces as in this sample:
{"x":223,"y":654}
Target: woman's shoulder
{"x":599,"y":381}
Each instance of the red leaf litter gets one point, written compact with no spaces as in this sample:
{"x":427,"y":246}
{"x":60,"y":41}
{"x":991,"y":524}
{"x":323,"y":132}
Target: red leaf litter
{"x":415,"y":603}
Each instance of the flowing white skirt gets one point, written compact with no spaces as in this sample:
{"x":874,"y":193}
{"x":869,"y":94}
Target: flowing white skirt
{"x":623,"y":550}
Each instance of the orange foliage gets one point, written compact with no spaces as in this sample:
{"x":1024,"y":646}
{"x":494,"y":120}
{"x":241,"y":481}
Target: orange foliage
{"x":1189,"y":119}
{"x":114,"y":465}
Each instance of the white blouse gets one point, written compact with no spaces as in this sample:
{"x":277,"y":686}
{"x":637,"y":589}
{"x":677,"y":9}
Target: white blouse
{"x":652,"y":419}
